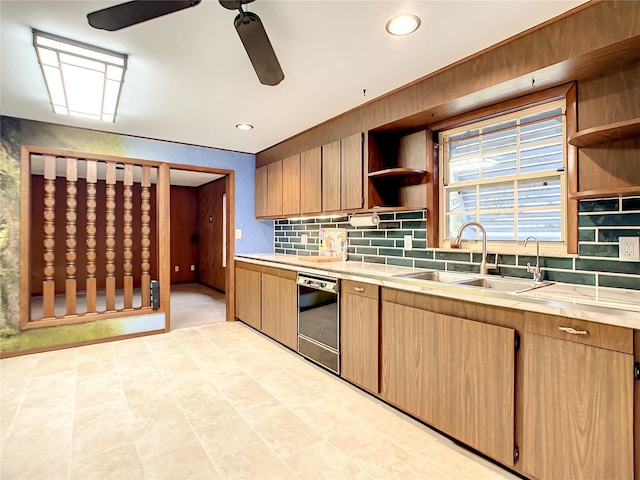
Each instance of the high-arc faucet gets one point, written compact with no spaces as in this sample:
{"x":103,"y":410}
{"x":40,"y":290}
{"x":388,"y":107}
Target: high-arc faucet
{"x":537,"y":274}
{"x":484,"y":268}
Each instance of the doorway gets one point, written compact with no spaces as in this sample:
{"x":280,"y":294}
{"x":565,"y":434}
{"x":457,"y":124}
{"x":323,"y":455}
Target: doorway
{"x":200,"y":236}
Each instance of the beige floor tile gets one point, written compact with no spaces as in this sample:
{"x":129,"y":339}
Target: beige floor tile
{"x":254,"y":364}
{"x":189,"y":463}
{"x":455,"y":462}
{"x":57,"y":362}
{"x":96,"y":359}
{"x":120,"y":463}
{"x":280,"y":428}
{"x":97,"y":389}
{"x":253,"y":462}
{"x":323,"y":460}
{"x":50,"y":390}
{"x":289,"y":390}
{"x":339,"y":426}
{"x":101,"y":427}
{"x":176,"y":365}
{"x":161,"y":428}
{"x":382,"y":459}
{"x":400,"y":429}
{"x":43,"y":456}
{"x":143,"y":388}
{"x":194,"y":389}
{"x":242,"y":391}
{"x":220,"y":428}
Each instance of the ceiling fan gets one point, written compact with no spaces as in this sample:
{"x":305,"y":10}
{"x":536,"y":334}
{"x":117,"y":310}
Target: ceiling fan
{"x":248,"y":25}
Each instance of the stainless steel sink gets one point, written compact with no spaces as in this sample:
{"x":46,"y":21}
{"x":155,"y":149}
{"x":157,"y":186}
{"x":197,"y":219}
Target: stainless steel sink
{"x":436,"y":276}
{"x":504,"y":284}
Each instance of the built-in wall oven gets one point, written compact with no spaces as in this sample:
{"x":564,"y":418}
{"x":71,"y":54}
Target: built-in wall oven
{"x":319,"y":320}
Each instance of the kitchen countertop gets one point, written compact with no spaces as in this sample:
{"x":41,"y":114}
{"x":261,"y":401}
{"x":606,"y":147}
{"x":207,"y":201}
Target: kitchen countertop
{"x":612,"y":306}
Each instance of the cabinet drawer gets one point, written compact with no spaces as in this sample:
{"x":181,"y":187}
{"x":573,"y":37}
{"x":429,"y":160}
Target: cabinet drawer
{"x":360,"y":288}
{"x":581,"y":331}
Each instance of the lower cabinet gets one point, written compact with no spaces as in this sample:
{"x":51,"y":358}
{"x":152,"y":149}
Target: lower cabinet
{"x":578,"y":405}
{"x":280,"y":309}
{"x":359,"y":334}
{"x":455,"y":374}
{"x":267,"y":300}
{"x":247,"y":301}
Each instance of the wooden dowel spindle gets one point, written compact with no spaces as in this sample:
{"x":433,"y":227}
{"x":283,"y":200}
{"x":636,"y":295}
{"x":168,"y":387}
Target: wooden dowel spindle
{"x":111,"y":236}
{"x":128,"y":236}
{"x":71,"y":217}
{"x":49,"y":284}
{"x":92,"y":178}
{"x":146,"y":236}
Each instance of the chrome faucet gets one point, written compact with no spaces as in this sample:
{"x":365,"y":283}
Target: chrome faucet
{"x":484,"y":268}
{"x":537,"y":274}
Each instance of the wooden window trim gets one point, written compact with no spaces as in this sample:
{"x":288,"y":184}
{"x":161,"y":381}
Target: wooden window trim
{"x":566,"y":91}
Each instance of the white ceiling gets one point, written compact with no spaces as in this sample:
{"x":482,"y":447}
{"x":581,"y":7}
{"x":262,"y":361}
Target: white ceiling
{"x":189,"y":79}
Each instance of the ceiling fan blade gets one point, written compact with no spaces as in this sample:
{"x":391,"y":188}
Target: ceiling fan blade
{"x":132,"y":13}
{"x":234,"y":4}
{"x":256,"y":43}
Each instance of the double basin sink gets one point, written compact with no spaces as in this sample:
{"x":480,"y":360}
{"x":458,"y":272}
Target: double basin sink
{"x":498,"y":284}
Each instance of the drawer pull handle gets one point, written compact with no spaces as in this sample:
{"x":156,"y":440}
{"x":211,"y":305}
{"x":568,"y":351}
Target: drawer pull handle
{"x":573,"y":331}
{"x":359,"y":289}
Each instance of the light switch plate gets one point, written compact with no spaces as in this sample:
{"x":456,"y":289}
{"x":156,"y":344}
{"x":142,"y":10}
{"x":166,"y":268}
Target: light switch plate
{"x":238,"y":233}
{"x":177,"y":268}
{"x":193,"y":268}
{"x":630,"y":249}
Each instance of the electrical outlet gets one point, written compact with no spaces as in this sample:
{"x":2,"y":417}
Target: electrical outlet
{"x":177,"y":268}
{"x":408,"y":242}
{"x":193,"y":268}
{"x":303,"y":239}
{"x":630,"y":248}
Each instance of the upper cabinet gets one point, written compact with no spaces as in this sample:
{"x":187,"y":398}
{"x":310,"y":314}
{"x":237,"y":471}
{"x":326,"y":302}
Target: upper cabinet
{"x":291,"y":185}
{"x":398,"y":169}
{"x":342,"y":175}
{"x":311,"y":181}
{"x":261,"y":191}
{"x":274,"y":184}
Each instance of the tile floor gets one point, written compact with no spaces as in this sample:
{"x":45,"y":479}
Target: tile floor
{"x":211,"y":402}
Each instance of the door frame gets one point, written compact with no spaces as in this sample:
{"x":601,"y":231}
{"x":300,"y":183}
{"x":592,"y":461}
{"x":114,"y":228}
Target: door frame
{"x":229,"y":178}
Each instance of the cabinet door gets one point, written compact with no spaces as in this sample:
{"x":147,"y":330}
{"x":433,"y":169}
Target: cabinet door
{"x":280,"y":309}
{"x":248,"y":297}
{"x":311,"y":181}
{"x":359,"y":340}
{"x":261,"y":190}
{"x":291,"y":185}
{"x":274,"y":197}
{"x":457,"y":375}
{"x":351,"y":168}
{"x":578,"y":411}
{"x":331,"y":177}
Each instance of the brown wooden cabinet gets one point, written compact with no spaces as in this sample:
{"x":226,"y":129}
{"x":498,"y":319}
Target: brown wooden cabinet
{"x":291,"y":185}
{"x":438,"y":367}
{"x":261,"y":192}
{"x":248,"y":294}
{"x":280,"y":309}
{"x":578,"y":402}
{"x":311,"y":181}
{"x":351,"y":173}
{"x":274,"y":184}
{"x":359,"y":334}
{"x":331,"y":177}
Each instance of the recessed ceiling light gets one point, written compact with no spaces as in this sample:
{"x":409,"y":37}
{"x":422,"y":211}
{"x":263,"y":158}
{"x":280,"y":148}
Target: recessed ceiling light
{"x":244,"y":126}
{"x":82,"y":80}
{"x":403,"y":24}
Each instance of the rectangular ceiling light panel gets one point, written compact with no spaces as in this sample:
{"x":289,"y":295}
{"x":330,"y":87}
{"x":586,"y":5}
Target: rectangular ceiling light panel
{"x":82,"y":80}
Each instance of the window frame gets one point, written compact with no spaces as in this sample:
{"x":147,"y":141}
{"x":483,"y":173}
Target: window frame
{"x":568,"y":246}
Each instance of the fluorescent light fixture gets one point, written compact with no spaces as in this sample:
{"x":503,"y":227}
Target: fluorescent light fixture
{"x":82,"y":80}
{"x":403,"y":24}
{"x":244,"y":126}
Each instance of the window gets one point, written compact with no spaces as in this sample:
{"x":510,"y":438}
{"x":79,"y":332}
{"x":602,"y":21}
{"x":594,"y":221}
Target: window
{"x":508,"y":173}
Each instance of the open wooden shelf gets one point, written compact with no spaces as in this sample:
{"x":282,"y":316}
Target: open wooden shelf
{"x":614,"y":192}
{"x":397,"y":172}
{"x":612,"y":132}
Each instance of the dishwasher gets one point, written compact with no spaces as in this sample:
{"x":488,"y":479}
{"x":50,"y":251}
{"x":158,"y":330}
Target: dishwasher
{"x":319,"y":320}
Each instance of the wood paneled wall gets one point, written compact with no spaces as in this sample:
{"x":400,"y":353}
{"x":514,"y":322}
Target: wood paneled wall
{"x":210,"y":234}
{"x":37,"y":235}
{"x":184,"y":227}
{"x":577,"y":46}
{"x":607,"y":99}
